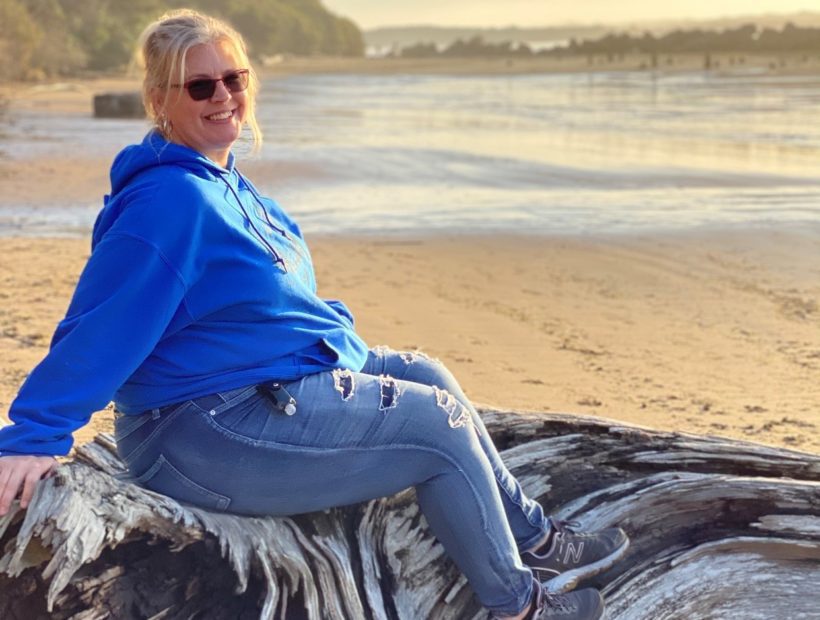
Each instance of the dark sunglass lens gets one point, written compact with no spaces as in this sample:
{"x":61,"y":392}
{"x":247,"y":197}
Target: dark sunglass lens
{"x":236,"y":82}
{"x":201,"y":89}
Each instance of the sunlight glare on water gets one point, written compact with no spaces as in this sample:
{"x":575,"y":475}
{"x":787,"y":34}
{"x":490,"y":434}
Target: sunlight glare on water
{"x":554,"y":153}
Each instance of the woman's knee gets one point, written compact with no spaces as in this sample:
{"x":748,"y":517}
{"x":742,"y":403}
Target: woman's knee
{"x":409,"y":411}
{"x":458,"y":414}
{"x":447,"y":397}
{"x":438,"y":420}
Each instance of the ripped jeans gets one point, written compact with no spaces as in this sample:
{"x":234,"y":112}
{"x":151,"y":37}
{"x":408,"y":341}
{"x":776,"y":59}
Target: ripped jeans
{"x":403,"y":421}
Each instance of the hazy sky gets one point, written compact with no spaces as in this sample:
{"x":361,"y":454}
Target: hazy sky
{"x":373,"y":13}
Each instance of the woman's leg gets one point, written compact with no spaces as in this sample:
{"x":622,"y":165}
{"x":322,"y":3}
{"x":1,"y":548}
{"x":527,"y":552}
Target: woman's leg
{"x":353,"y":437}
{"x":557,"y":554}
{"x":526,"y":517}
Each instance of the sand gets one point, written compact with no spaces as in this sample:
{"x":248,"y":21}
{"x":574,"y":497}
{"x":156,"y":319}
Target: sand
{"x":712,"y":333}
{"x":707,"y":332}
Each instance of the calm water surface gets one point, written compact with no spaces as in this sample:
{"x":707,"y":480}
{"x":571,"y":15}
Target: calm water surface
{"x":571,"y":153}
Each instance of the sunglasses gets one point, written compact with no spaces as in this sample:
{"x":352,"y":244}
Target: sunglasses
{"x":204,"y":88}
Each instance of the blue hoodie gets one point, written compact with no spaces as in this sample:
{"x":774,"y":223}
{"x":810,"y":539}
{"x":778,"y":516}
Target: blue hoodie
{"x":196,"y":284}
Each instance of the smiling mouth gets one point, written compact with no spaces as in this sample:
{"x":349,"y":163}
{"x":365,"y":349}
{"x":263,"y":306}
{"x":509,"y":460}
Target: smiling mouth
{"x":220,"y":116}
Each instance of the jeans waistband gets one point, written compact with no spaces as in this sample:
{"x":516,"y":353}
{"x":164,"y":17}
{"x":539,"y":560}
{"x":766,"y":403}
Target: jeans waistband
{"x":125,"y":424}
{"x":206,"y":402}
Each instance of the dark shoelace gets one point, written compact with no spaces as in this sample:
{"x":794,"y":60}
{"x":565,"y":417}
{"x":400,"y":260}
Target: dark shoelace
{"x":558,"y":602}
{"x":563,"y":527}
{"x":543,"y":599}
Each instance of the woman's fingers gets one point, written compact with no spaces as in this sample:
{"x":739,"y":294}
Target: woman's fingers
{"x":47,"y":465}
{"x":21,"y":471}
{"x":10,"y":486}
{"x":5,"y":474}
{"x":29,"y":482}
{"x":51,"y":470}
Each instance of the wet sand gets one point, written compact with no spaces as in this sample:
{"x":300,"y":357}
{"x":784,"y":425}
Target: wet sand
{"x":713,"y":333}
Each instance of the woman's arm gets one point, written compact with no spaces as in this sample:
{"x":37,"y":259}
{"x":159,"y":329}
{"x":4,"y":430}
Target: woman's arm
{"x":125,"y":298}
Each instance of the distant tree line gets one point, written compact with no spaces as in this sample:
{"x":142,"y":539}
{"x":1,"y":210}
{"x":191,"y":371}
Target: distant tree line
{"x":40,"y":38}
{"x":744,"y":39}
{"x":472,"y":47}
{"x":748,"y":39}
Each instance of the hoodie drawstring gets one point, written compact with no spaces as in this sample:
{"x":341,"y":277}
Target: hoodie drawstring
{"x":277,"y":259}
{"x":253,"y":191}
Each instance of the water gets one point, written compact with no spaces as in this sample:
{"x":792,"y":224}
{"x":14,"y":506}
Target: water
{"x":589,"y":153}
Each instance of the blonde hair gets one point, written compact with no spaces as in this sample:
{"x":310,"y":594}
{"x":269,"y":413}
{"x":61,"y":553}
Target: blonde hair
{"x":163,"y":48}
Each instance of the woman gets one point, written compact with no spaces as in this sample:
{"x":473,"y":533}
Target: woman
{"x":237,"y":387}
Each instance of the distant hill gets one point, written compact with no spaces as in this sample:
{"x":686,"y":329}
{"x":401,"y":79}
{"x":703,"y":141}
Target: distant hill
{"x":382,"y":39}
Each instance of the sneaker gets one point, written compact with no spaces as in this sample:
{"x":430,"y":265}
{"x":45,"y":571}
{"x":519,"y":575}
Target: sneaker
{"x":573,"y":556}
{"x":586,"y":604}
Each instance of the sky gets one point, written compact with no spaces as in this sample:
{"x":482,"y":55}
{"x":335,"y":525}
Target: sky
{"x":498,"y":13}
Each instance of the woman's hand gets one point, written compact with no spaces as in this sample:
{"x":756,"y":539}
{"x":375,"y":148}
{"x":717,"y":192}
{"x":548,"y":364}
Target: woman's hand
{"x":25,"y":472}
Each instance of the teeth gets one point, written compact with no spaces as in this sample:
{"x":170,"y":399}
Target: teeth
{"x":219,"y":116}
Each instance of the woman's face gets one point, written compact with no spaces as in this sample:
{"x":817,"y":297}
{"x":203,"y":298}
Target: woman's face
{"x":212,"y":125}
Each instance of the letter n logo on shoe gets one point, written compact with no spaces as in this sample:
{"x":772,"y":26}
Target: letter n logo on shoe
{"x":573,"y":553}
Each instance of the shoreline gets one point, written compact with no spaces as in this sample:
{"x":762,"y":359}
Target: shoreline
{"x":721,"y":64}
{"x":710,"y":333}
{"x":415,"y":235}
{"x":724,"y":64}
{"x":64,"y":91}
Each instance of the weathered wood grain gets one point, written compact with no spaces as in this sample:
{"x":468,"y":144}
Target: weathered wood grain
{"x":719,"y":528}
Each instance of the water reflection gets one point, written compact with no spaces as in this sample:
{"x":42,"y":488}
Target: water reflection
{"x":550,"y":152}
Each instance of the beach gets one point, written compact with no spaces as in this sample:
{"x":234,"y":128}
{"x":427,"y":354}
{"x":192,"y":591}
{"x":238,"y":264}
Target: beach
{"x":707,"y":333}
{"x":710,"y":330}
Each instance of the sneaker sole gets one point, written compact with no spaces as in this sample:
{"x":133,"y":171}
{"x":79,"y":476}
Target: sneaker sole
{"x":568,"y":580}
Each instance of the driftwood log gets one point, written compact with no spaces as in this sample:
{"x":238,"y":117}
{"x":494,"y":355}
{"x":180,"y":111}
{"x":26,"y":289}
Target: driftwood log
{"x":720,"y":529}
{"x":118,"y":105}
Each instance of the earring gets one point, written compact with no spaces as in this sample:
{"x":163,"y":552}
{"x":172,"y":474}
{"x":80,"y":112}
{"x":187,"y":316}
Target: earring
{"x":164,"y":126}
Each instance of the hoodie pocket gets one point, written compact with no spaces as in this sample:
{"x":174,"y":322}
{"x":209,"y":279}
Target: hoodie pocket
{"x":164,"y":478}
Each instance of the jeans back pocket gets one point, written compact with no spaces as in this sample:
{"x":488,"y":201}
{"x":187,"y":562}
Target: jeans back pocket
{"x":166,"y":479}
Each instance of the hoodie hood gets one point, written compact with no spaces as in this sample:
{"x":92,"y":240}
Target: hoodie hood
{"x":153,"y":152}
